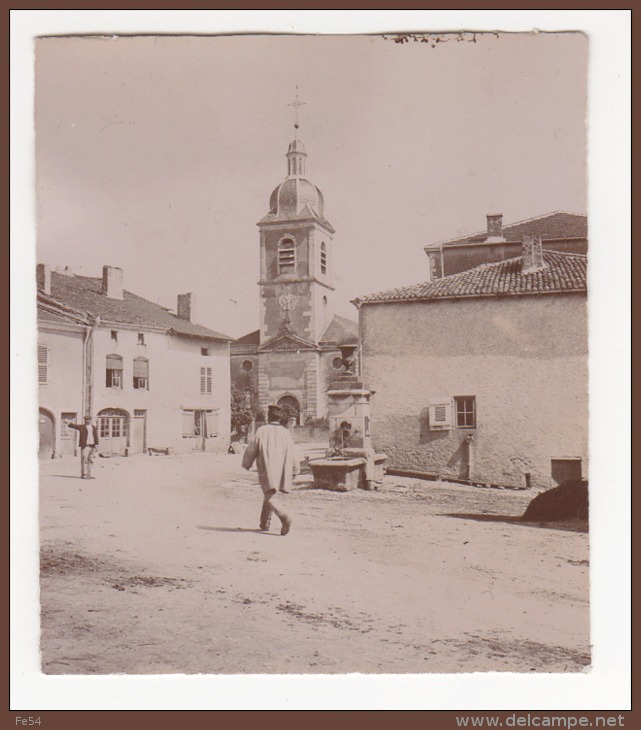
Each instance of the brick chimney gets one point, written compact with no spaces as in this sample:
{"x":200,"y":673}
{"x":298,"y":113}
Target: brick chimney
{"x":495,"y":227}
{"x":532,"y":255}
{"x":43,"y":278}
{"x":112,"y":282}
{"x":186,"y":307}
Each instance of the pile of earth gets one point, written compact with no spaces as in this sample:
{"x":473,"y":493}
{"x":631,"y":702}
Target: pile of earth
{"x":567,"y":503}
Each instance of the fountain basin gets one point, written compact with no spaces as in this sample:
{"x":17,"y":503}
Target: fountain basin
{"x":344,"y":473}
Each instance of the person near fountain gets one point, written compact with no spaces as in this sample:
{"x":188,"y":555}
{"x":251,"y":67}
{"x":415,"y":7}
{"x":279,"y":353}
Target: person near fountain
{"x":273,"y":450}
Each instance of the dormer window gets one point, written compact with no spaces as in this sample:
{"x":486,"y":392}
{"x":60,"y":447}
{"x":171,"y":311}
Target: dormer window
{"x":286,"y":256}
{"x":323,"y":258}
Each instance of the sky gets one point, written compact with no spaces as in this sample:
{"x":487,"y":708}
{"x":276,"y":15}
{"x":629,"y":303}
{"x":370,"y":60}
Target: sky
{"x":158,"y":154}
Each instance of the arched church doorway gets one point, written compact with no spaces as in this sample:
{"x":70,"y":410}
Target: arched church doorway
{"x":47,"y":434}
{"x":290,"y":407}
{"x":113,"y":431}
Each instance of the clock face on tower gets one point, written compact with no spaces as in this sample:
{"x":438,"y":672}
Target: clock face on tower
{"x":285,"y":301}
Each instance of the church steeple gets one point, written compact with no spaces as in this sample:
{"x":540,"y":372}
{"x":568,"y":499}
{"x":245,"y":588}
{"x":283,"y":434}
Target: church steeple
{"x":296,"y":153}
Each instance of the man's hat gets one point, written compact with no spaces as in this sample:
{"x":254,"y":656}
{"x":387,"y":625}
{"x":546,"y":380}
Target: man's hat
{"x":87,"y":418}
{"x":274,"y":413}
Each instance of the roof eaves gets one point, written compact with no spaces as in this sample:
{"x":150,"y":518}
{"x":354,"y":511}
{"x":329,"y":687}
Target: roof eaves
{"x":212,"y":336}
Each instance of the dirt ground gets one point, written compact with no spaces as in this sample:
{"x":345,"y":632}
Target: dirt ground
{"x":157,"y":566}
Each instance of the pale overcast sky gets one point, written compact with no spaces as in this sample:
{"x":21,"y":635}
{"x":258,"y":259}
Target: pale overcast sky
{"x":159,"y":154}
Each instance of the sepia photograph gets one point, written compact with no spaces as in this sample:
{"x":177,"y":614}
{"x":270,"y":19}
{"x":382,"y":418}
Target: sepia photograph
{"x":313,"y":318}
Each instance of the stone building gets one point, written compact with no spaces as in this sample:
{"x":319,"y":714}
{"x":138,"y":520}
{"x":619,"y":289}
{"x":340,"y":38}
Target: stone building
{"x":151,"y":378}
{"x":483,"y":375}
{"x":559,"y":231}
{"x":294,"y":354}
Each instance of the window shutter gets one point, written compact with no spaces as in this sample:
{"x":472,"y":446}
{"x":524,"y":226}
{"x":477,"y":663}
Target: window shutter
{"x":43,"y":364}
{"x":205,"y":380}
{"x":212,"y":423}
{"x":114,"y":362}
{"x":188,"y":423}
{"x":141,"y":368}
{"x":440,"y":414}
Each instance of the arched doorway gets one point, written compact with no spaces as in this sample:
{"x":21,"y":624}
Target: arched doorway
{"x":113,"y":431}
{"x":290,"y":407}
{"x":47,"y":434}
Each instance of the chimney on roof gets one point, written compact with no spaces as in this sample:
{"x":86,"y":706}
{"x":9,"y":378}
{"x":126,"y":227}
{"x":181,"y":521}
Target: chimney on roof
{"x":112,"y":282}
{"x":532,"y":255}
{"x":43,"y":278}
{"x":495,"y":227}
{"x":186,"y":307}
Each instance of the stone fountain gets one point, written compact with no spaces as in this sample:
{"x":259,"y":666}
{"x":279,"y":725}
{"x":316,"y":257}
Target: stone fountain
{"x":350,"y":461}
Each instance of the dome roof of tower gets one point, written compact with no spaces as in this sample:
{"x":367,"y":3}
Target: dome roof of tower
{"x":296,"y":197}
{"x":296,"y":146}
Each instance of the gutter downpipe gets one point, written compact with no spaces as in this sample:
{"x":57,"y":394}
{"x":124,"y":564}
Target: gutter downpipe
{"x":87,"y":355}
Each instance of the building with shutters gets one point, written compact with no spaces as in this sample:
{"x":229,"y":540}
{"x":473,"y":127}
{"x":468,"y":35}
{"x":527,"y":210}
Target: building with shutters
{"x":294,"y":354}
{"x":482,"y":375}
{"x":152,"y":378}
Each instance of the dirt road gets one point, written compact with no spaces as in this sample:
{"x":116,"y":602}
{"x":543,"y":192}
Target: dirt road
{"x":157,"y":566}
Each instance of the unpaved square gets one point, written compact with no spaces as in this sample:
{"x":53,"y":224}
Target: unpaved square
{"x":157,"y":566}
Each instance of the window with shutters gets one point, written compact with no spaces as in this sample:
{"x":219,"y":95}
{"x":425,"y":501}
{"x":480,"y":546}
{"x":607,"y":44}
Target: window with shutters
{"x":323,"y":258}
{"x":286,"y":256}
{"x":465,"y":411}
{"x":141,"y":373}
{"x":43,"y":364}
{"x":114,"y":371}
{"x":205,"y":381}
{"x":440,"y":414}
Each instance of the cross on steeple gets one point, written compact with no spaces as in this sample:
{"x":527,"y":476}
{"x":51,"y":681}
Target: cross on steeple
{"x":297,"y":104}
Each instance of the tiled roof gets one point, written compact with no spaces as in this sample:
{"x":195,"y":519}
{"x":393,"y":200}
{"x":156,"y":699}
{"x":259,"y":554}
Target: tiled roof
{"x":85,"y":293}
{"x":253,"y":338}
{"x":339,"y":330}
{"x":550,"y":226}
{"x":564,"y":273}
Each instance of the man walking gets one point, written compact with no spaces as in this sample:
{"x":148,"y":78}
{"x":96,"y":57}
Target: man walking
{"x":88,"y":445}
{"x":273,"y":450}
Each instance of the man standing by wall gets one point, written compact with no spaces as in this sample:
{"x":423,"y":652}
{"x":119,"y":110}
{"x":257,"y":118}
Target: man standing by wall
{"x":88,"y":445}
{"x":273,"y":449}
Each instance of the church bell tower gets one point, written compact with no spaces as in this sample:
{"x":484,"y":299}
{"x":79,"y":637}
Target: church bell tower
{"x":296,"y":282}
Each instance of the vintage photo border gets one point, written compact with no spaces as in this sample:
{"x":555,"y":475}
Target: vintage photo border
{"x":607,"y":685}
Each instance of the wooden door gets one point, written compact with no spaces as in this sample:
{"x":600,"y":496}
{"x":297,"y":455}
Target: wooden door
{"x":138,"y":432}
{"x":112,"y":431}
{"x":47,"y":435}
{"x":200,"y":427}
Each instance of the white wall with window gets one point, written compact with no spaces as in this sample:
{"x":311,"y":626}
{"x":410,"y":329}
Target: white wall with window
{"x":60,"y":380}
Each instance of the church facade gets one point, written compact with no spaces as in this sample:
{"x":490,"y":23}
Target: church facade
{"x":294,"y":354}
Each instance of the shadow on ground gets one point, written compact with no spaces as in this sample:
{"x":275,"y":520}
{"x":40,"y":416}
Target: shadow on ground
{"x":569,"y":525}
{"x":235,"y":529}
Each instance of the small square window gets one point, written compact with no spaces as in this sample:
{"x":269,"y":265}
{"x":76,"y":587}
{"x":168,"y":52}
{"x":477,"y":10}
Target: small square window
{"x":205,"y":351}
{"x":465,"y":411}
{"x":114,"y":335}
{"x":141,"y":338}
